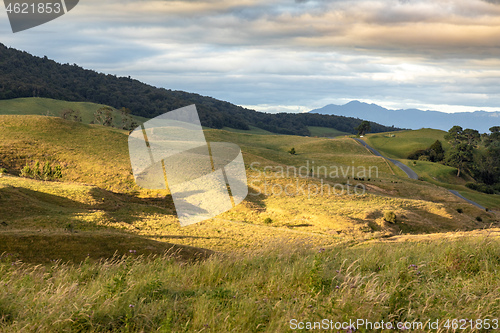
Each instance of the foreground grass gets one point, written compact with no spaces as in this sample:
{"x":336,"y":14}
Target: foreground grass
{"x":259,"y":291}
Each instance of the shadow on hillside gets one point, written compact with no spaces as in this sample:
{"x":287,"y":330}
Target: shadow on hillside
{"x":46,"y":247}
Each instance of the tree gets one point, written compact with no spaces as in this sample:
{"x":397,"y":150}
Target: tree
{"x":363,"y":128}
{"x":488,"y":163}
{"x":128,"y":123}
{"x":471,"y":136}
{"x":71,"y":114}
{"x":461,"y":155}
{"x":436,"y":151}
{"x":454,"y":135}
{"x":104,"y":116}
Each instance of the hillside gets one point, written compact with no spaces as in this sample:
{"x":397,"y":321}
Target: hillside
{"x":413,"y":118}
{"x":51,"y":107}
{"x":92,"y":252}
{"x":401,"y":143}
{"x":397,"y":145}
{"x":97,"y":192}
{"x":24,"y":75}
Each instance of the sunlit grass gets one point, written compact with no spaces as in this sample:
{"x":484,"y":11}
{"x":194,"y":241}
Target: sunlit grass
{"x":258,"y":291}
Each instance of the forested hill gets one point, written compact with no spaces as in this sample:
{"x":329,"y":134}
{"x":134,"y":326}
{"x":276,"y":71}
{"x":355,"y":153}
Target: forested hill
{"x":24,"y":75}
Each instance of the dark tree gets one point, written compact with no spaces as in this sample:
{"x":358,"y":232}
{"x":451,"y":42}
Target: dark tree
{"x":463,"y":142}
{"x":104,"y":116}
{"x":363,"y":128}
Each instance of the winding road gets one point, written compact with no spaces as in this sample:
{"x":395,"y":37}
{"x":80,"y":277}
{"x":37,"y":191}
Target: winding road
{"x":406,"y":169}
{"x":410,"y":173}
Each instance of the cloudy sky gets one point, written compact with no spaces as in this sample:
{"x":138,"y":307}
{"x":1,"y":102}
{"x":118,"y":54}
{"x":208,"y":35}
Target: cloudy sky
{"x":288,"y":55}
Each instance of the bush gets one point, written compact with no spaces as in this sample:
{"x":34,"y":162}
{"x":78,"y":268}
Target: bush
{"x":268,"y":220}
{"x":416,"y":154}
{"x":479,"y":219}
{"x":292,"y":151}
{"x":390,"y":216}
{"x":46,"y":173}
{"x":460,"y":210}
{"x":481,"y":188}
{"x":26,"y":171}
{"x":2,"y":171}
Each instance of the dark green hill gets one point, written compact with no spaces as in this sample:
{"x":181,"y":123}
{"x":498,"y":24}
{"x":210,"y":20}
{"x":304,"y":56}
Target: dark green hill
{"x":24,"y":75}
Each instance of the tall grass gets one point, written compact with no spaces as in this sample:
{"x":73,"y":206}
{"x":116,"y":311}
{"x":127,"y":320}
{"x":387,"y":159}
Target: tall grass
{"x":257,"y":291}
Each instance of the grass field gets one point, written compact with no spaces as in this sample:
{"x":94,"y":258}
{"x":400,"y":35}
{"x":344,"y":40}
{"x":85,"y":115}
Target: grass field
{"x":268,"y":289}
{"x":95,"y":253}
{"x":325,"y":132}
{"x":98,"y":193}
{"x":408,"y":141}
{"x":405,"y":142}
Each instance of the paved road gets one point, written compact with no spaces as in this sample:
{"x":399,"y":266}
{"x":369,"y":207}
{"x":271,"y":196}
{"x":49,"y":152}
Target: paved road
{"x":411,"y":174}
{"x":469,"y":201}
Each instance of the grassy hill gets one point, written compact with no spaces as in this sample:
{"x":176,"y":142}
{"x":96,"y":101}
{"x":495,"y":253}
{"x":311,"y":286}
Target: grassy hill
{"x":325,"y":132}
{"x":403,"y":143}
{"x":397,"y":145}
{"x":52,"y":107}
{"x":93,"y":252}
{"x":98,"y":190}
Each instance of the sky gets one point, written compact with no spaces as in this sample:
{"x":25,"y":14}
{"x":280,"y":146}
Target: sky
{"x":288,"y":55}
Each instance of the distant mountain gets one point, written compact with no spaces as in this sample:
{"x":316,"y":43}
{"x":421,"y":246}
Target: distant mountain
{"x":414,"y":118}
{"x":24,"y":75}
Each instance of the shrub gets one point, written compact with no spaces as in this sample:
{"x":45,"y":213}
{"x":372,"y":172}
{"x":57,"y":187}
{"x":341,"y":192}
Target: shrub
{"x":390,"y":216}
{"x":479,"y":219}
{"x":292,"y":151}
{"x":35,"y":172}
{"x":460,"y":210}
{"x":2,"y":171}
{"x":46,"y":173}
{"x":481,"y":188}
{"x":268,"y":220}
{"x":26,"y":171}
{"x":58,"y":172}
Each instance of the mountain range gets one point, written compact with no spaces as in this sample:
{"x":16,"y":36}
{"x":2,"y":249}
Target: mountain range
{"x":413,"y":118}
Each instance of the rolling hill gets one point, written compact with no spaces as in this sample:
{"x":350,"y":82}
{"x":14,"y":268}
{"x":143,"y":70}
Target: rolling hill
{"x":98,"y":192}
{"x":51,"y":107}
{"x":93,"y":252}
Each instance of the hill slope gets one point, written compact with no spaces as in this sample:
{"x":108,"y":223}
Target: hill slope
{"x":97,"y":192}
{"x":24,"y":75}
{"x":52,"y":107}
